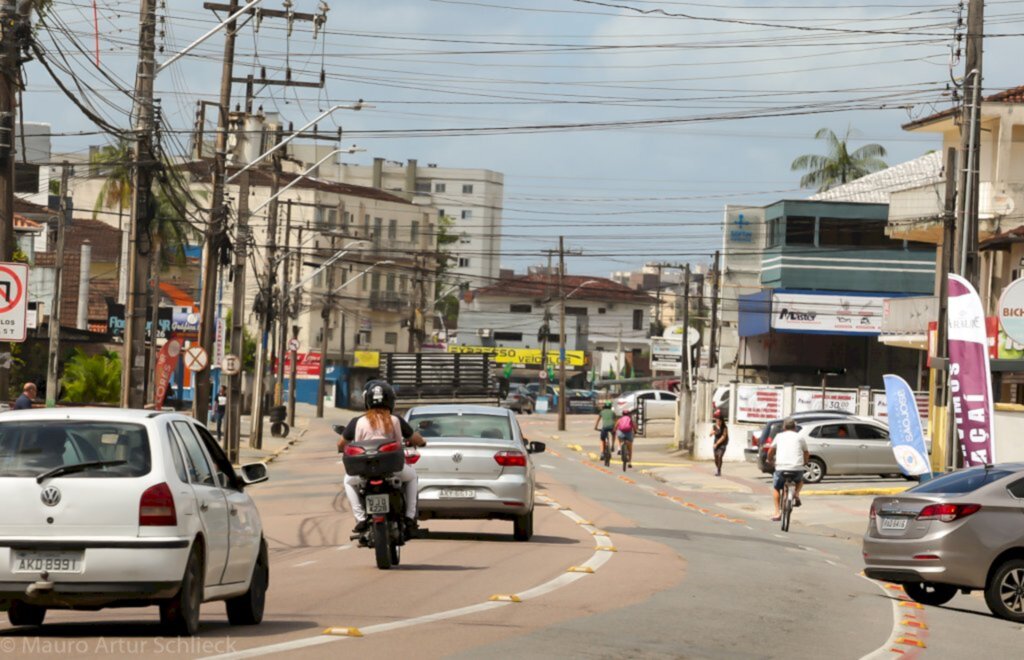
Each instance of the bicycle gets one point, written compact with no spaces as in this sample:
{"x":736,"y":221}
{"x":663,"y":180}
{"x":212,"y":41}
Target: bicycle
{"x":787,"y":499}
{"x":626,"y":449}
{"x":606,"y":452}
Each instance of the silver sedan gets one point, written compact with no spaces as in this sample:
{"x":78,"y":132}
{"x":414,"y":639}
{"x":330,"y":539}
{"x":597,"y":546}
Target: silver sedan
{"x":476,"y":465}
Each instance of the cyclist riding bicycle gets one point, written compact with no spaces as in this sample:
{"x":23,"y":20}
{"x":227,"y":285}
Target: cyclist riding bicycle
{"x":605,"y":423}
{"x":625,"y":428}
{"x":789,"y":452}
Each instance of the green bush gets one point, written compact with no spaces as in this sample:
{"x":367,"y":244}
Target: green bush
{"x":92,"y":379}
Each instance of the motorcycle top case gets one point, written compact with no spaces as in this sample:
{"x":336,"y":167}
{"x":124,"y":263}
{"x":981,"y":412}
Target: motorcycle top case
{"x":373,"y":463}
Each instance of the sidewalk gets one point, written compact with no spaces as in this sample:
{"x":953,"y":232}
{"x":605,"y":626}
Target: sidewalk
{"x":273,"y":447}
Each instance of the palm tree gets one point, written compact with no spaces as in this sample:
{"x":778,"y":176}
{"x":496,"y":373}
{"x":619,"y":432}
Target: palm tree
{"x":839,"y":165}
{"x":114,"y":161}
{"x":92,"y":379}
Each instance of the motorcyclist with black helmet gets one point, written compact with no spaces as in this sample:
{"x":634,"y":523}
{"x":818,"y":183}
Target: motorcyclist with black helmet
{"x":380,"y":422}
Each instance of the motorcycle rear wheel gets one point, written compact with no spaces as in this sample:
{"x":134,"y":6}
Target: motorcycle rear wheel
{"x":382,"y":545}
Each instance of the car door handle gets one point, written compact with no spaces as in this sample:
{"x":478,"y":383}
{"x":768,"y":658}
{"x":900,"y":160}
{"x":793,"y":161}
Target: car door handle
{"x":863,"y":446}
{"x":204,"y":506}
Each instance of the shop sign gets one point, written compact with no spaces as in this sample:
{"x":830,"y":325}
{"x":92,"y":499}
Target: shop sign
{"x":835,"y":400}
{"x":758,"y":403}
{"x":827,"y":313}
{"x":524,"y":356}
{"x":1011,"y":310}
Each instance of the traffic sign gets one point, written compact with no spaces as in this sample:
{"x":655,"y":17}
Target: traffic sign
{"x":293,"y":344}
{"x":13,"y":302}
{"x":231,"y":365}
{"x":196,"y":358}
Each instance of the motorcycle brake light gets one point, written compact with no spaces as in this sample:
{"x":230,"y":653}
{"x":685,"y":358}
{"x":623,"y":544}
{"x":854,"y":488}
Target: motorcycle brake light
{"x":391,"y":446}
{"x":354,"y":450}
{"x":376,"y":482}
{"x":947,"y":512}
{"x":411,"y":458}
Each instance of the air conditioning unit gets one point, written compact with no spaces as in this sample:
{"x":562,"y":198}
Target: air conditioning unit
{"x":484,"y":332}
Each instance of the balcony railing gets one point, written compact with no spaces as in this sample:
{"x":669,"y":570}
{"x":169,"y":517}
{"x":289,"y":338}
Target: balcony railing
{"x":388,"y":301}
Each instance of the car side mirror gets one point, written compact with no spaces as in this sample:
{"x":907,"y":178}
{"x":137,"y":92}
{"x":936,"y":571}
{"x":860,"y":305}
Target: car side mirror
{"x":338,"y":428}
{"x":254,"y":473}
{"x":536,"y":447}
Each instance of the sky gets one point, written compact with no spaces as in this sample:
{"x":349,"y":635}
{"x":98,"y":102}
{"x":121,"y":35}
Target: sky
{"x":625,"y":126}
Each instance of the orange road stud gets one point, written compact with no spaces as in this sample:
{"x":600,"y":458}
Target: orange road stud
{"x":580,"y":569}
{"x":506,"y":598}
{"x":914,"y":624}
{"x":910,"y":641}
{"x":343,"y":632}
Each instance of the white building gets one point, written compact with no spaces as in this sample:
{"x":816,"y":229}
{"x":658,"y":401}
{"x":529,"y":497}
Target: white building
{"x":472,"y":198}
{"x":31,"y":170}
{"x":601,"y":315}
{"x":742,"y":244}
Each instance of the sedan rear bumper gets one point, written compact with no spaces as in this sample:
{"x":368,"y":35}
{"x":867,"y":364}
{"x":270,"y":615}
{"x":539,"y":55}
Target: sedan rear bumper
{"x":506,"y":497}
{"x":894,"y":560}
{"x":111,"y":561}
{"x":88,"y":595}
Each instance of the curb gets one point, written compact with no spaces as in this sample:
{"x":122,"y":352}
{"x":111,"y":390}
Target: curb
{"x":856,"y":491}
{"x":277,"y":452}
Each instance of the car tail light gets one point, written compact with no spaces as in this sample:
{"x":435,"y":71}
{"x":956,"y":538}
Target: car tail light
{"x":947,"y":512}
{"x":354,"y":450}
{"x":391,"y":446}
{"x":927,"y":557}
{"x":510,"y":458}
{"x":156,"y":507}
{"x":873,"y":513}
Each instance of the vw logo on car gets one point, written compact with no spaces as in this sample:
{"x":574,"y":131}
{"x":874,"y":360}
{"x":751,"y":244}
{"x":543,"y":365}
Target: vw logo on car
{"x":50,"y":496}
{"x":457,"y":457}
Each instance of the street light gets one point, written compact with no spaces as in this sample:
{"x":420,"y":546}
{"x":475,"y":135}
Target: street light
{"x":345,"y":250}
{"x":209,"y":33}
{"x":347,"y":150}
{"x":357,"y":106}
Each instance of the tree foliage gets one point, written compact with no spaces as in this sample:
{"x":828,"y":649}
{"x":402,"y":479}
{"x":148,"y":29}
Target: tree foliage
{"x":92,"y":378}
{"x":839,"y":165}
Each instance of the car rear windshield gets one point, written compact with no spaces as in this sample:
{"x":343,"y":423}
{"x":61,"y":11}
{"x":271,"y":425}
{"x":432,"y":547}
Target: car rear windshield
{"x":456,"y":425}
{"x":963,"y":481}
{"x":30,"y":448}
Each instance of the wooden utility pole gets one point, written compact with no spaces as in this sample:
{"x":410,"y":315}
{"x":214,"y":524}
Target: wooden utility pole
{"x":970,"y":144}
{"x":53,"y":328}
{"x":561,"y":333}
{"x":133,"y":373}
{"x":713,"y":344}
{"x":946,"y":267}
{"x":325,"y":315}
{"x":215,"y":226}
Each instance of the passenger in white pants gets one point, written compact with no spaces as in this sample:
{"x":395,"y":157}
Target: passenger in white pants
{"x":379,"y":423}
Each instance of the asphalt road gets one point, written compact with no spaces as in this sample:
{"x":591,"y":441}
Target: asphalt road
{"x":691,"y":576}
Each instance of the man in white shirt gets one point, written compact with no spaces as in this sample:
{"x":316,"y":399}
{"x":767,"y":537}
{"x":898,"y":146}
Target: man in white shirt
{"x":789,"y":451}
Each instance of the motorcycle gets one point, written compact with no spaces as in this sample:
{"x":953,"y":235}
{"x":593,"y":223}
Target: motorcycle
{"x":378,"y":463}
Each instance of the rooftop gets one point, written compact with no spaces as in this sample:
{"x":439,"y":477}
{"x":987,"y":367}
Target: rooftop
{"x":876,"y":187}
{"x":540,"y":285}
{"x":1012,"y":95}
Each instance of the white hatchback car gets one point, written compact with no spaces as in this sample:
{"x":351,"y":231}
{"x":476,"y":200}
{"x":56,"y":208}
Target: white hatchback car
{"x":125,"y":508}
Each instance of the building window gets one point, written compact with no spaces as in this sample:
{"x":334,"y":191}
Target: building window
{"x":463,"y":262}
{"x":638,"y":319}
{"x":464,"y":238}
{"x":414,"y":231}
{"x":391,"y":338}
{"x":440,"y":213}
{"x":391,"y":282}
{"x":771,"y":234}
{"x":346,"y":219}
{"x":392,"y":230}
{"x":601,"y":310}
{"x":422,"y":186}
{"x":366,"y":225}
{"x":467,"y":214}
{"x":403,"y":283}
{"x":378,"y":228}
{"x":799,"y":230}
{"x":520,"y":309}
{"x":576,"y":311}
{"x":467,"y":189}
{"x":845,"y":232}
{"x":508,"y":336}
{"x":363,"y":283}
{"x":375,"y":282}
{"x":26,"y":178}
{"x":332,"y":217}
{"x":364,"y":338}
{"x":439,"y":187}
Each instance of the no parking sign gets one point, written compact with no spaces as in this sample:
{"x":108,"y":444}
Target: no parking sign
{"x":13,"y":301}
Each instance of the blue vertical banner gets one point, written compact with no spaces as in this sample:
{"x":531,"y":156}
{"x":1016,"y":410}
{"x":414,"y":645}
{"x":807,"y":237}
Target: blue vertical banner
{"x":905,"y":432}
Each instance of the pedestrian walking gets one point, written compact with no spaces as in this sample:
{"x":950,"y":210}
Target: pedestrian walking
{"x":28,"y":394}
{"x":720,"y":432}
{"x":220,"y":406}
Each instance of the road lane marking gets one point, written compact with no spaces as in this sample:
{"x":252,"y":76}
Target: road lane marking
{"x":344,"y":547}
{"x":305,"y":563}
{"x":603,"y":552}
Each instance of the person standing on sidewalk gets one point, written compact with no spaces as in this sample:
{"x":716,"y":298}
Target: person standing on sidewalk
{"x":220,"y":406}
{"x":28,"y":394}
{"x":721,"y":434}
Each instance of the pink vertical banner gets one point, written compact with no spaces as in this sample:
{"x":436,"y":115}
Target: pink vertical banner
{"x":970,"y":377}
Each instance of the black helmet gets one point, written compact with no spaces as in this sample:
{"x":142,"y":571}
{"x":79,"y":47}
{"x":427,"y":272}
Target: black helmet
{"x":379,"y":394}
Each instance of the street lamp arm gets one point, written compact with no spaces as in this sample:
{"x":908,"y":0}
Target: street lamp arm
{"x":212,"y":31}
{"x":361,"y":273}
{"x":345,"y":250}
{"x":296,"y":180}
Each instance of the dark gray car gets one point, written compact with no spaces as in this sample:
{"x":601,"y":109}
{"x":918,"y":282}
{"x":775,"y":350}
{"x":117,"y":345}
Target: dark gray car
{"x":962,"y":531}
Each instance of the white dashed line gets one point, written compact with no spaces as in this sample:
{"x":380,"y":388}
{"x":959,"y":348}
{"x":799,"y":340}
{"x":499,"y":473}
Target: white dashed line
{"x":305,"y":563}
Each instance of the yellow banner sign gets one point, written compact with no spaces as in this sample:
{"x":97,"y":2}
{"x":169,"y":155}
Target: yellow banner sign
{"x":524,"y":356}
{"x":366,"y":359}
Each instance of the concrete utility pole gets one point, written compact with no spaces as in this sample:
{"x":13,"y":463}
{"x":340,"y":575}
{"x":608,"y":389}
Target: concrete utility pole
{"x":54,"y":325}
{"x":266,"y":315}
{"x":133,"y":374}
{"x":970,"y":144}
{"x":685,"y":395}
{"x":213,"y":236}
{"x":946,"y":267}
{"x":237,"y":319}
{"x":325,"y":315}
{"x":284,"y":307}
{"x":561,"y":333}
{"x":713,"y":344}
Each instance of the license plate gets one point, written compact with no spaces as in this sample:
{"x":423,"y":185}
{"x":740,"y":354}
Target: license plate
{"x":378,"y":504}
{"x":457,"y":494}
{"x":37,"y":561}
{"x":894,"y":523}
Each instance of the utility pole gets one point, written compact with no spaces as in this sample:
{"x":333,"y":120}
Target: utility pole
{"x":325,"y":315}
{"x":266,"y":315}
{"x":970,"y":143}
{"x":713,"y":347}
{"x":52,"y":385}
{"x":238,"y":318}
{"x":133,"y":372}
{"x":561,"y":333}
{"x":213,"y":237}
{"x":284,"y":307}
{"x":945,"y":268}
{"x":683,"y":417}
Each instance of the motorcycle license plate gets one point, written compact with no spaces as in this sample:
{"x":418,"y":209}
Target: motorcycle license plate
{"x":378,"y":504}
